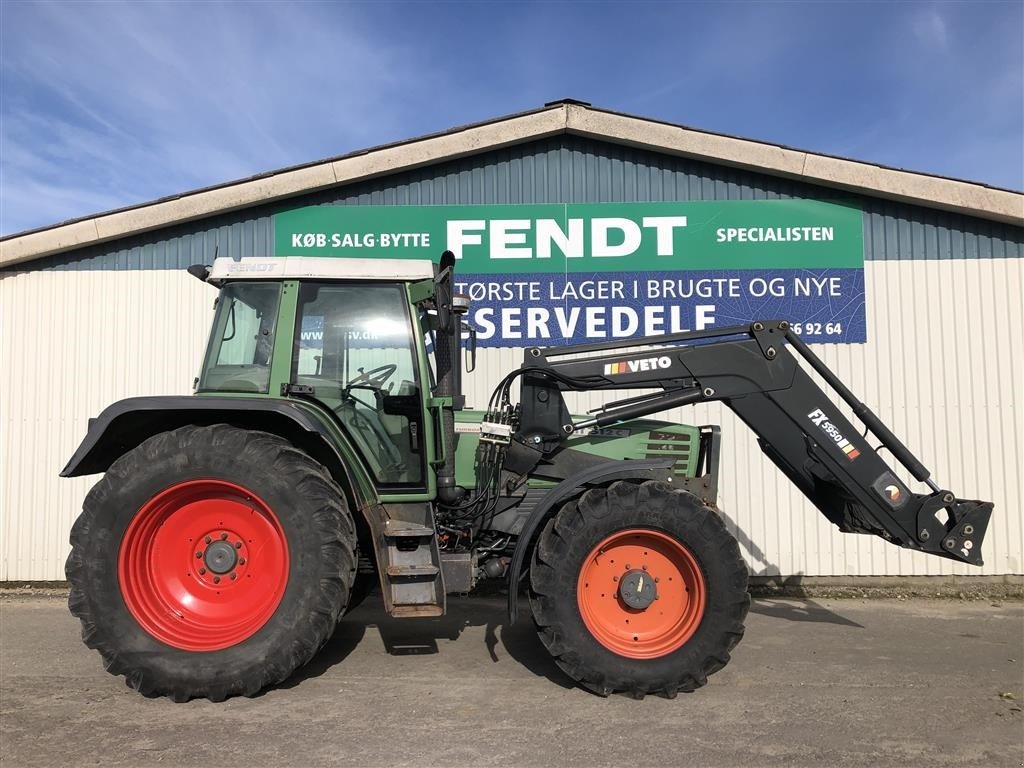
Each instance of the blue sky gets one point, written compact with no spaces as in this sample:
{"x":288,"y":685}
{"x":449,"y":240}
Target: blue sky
{"x":109,"y":104}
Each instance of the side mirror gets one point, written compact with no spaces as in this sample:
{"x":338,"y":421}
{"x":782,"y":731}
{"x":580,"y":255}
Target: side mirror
{"x":443,"y":282}
{"x":199,"y":271}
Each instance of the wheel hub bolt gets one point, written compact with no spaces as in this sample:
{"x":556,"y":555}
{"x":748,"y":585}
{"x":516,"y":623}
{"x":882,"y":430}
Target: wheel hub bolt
{"x":216,"y":579}
{"x":223,"y":536}
{"x":199,"y":555}
{"x":615,"y":578}
{"x":202,"y":571}
{"x":234,"y":576}
{"x":241,"y":561}
{"x":208,"y":539}
{"x":238,"y":545}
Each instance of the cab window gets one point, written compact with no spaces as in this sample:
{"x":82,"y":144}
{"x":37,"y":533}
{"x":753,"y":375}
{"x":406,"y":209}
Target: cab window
{"x":242,"y":341}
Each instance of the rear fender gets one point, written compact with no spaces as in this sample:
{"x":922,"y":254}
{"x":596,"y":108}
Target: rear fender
{"x":127,"y":423}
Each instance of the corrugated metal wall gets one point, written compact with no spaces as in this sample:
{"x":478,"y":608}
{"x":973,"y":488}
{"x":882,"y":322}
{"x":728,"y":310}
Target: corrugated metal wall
{"x":80,"y":330}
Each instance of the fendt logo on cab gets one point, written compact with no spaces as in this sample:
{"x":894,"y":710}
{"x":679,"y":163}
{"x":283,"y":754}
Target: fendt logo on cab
{"x":637,"y":366}
{"x":821,"y":420}
{"x":254,"y":266}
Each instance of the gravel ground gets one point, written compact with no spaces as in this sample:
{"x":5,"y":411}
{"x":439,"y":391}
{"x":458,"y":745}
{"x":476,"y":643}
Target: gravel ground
{"x":815,"y":682}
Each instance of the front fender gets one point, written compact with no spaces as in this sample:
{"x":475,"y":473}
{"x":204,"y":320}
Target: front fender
{"x":602,"y":474}
{"x":127,"y":423}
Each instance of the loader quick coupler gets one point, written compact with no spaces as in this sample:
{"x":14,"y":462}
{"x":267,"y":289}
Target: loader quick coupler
{"x":953,"y":527}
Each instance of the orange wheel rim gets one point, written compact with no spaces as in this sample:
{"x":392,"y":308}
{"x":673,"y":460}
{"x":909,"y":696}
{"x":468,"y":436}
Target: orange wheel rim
{"x":641,"y":593}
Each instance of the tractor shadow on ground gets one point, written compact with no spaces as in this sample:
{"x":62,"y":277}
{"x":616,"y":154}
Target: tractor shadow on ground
{"x":799,"y":609}
{"x":781,"y":592}
{"x":346,"y":638}
{"x":419,"y":637}
{"x":771,"y":595}
{"x":521,"y":643}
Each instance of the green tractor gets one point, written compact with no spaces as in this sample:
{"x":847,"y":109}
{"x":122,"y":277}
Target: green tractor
{"x":327,"y":444}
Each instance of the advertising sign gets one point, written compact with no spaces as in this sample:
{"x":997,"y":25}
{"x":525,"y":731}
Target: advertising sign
{"x":559,"y":274}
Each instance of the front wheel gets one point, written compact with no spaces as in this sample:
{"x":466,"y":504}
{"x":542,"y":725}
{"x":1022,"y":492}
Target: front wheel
{"x":211,"y":561}
{"x":638,"y":588}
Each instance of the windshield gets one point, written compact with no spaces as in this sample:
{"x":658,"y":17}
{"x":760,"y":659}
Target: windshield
{"x":354,"y":347}
{"x":242,"y":341}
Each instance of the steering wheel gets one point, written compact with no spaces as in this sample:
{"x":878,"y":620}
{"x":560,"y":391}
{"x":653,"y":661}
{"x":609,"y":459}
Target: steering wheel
{"x":375,"y":377}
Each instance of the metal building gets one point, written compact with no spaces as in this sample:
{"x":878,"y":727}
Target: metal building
{"x":100,"y":308}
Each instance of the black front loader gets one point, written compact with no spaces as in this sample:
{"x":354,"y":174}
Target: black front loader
{"x":751,"y":370}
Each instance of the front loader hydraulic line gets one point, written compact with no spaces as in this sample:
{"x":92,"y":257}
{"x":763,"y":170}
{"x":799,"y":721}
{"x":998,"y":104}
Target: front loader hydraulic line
{"x":614,"y":415}
{"x":751,"y":370}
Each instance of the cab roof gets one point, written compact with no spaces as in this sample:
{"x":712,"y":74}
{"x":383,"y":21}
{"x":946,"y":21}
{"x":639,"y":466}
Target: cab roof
{"x":324,"y":267}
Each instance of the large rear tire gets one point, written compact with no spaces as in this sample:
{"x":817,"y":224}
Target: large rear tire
{"x":638,"y":588}
{"x":211,"y":562}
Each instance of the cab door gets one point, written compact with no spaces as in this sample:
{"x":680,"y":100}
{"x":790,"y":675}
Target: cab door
{"x":355,"y":347}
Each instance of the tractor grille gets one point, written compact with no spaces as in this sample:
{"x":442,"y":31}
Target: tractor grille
{"x":678,"y":445}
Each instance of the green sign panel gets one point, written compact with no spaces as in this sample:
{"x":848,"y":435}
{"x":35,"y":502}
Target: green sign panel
{"x":556,"y":274}
{"x":598,"y":237}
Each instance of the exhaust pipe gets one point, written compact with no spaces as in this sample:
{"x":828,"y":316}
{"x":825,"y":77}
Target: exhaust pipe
{"x":448,"y":388}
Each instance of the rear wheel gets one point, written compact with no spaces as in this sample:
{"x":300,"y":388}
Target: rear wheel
{"x":638,"y":588}
{"x":211,"y":561}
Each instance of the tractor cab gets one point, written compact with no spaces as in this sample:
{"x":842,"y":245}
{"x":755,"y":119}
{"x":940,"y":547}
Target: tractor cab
{"x":347,"y":337}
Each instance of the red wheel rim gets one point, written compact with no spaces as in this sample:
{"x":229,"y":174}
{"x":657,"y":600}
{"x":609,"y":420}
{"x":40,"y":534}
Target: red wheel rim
{"x":637,"y":561}
{"x":203,"y":565}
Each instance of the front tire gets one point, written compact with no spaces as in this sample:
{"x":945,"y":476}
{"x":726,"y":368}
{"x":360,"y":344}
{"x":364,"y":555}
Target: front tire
{"x":211,"y":562}
{"x":638,"y":588}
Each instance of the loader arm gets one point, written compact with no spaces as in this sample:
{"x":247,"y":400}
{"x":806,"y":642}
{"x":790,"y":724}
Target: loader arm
{"x":753,"y":370}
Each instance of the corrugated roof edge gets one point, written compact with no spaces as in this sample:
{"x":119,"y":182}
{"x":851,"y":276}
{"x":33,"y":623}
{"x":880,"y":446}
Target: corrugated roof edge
{"x":578,"y":117}
{"x":723,"y":135}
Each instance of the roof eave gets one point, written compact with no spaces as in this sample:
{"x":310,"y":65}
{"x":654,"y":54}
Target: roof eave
{"x":963,"y":197}
{"x":823,"y":170}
